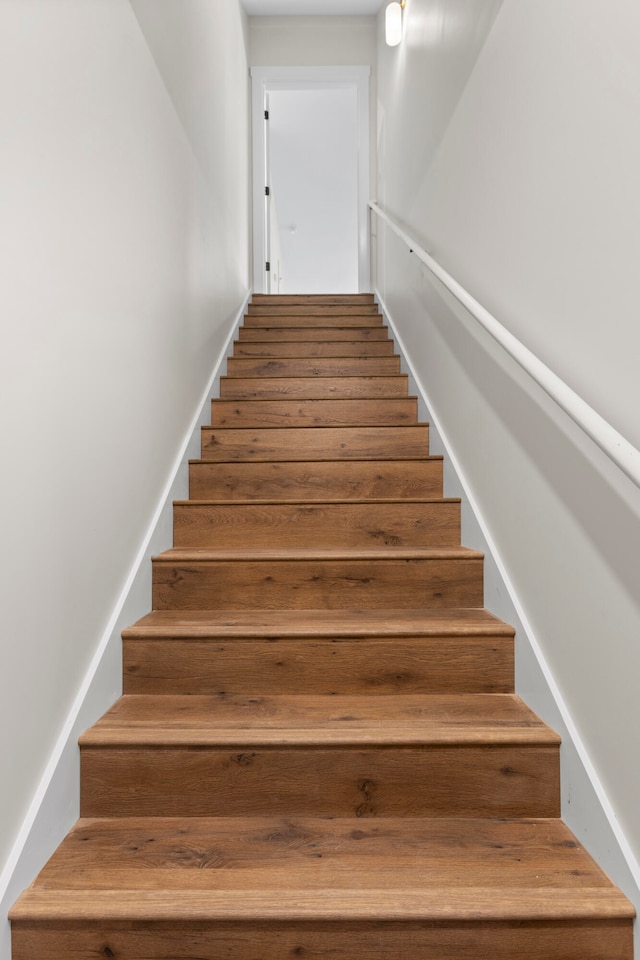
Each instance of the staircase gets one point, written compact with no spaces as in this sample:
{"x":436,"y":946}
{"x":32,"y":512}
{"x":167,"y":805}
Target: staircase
{"x":318,"y":753}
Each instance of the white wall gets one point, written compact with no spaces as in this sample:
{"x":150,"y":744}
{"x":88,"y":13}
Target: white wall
{"x":312,"y":41}
{"x":124,"y":254}
{"x":317,"y":41}
{"x":509,"y":146}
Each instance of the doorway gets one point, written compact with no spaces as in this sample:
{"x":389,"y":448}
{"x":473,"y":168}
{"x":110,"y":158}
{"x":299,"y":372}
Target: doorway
{"x":311,"y":179}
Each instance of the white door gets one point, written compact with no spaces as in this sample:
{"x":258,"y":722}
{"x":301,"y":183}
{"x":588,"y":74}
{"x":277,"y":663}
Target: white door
{"x":313,"y":183}
{"x":311,"y":236}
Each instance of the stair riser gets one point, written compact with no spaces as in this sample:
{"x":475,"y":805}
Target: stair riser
{"x":325,"y":299}
{"x":308,"y":665}
{"x":313,"y":334}
{"x":328,"y":443}
{"x":312,"y":388}
{"x":366,"y":940}
{"x":306,"y":348}
{"x":325,"y":525}
{"x":313,"y":310}
{"x":317,"y":584}
{"x":314,"y":413}
{"x":481,"y":781}
{"x":316,"y":480}
{"x":313,"y":367}
{"x":282,"y":322}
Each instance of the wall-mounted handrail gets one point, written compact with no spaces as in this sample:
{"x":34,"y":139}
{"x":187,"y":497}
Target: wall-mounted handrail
{"x":617,"y":448}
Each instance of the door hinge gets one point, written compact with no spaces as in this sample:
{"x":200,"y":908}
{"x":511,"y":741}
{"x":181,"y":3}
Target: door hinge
{"x":266,"y":114}
{"x":267,"y":192}
{"x":267,"y":267}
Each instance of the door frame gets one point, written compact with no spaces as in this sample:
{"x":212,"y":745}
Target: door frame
{"x":264,"y":79}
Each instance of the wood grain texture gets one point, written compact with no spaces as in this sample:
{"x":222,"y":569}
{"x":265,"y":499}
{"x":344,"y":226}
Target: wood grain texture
{"x":329,"y":524}
{"x":392,"y":411}
{"x":304,"y":443}
{"x":200,"y":580}
{"x":313,"y":366}
{"x":318,"y":348}
{"x":319,"y":720}
{"x":313,"y":388}
{"x":266,"y":939}
{"x":501,"y":780}
{"x":437,"y":853}
{"x":350,"y":665}
{"x":265,"y":308}
{"x":313,"y":335}
{"x":328,"y":299}
{"x":296,"y":319}
{"x":316,"y":479}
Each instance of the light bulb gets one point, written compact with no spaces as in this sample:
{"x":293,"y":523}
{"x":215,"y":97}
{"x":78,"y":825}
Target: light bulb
{"x":393,"y":24}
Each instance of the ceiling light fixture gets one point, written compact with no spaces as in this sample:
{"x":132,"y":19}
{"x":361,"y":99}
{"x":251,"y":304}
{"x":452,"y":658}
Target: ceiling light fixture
{"x":393,"y":23}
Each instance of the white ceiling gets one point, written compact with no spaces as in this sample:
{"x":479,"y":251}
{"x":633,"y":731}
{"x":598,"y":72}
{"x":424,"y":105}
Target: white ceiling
{"x":301,"y":8}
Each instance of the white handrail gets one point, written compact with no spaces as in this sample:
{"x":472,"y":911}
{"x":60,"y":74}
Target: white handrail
{"x":617,"y":448}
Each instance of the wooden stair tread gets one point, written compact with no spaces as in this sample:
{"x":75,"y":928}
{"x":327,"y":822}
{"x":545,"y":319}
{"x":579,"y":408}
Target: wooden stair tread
{"x":368,"y":554}
{"x":460,"y":719}
{"x":313,"y":298}
{"x":313,"y":412}
{"x":313,"y":366}
{"x":309,"y":348}
{"x":272,"y":854}
{"x":327,"y":501}
{"x":365,"y":387}
{"x":319,"y":623}
{"x":469,"y":904}
{"x":315,"y":333}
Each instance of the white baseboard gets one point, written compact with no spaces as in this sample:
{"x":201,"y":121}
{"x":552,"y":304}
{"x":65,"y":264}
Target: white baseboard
{"x":55,"y":805}
{"x":586,"y":807}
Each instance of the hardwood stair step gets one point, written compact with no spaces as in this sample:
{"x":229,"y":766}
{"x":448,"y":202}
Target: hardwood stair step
{"x":313,"y":388}
{"x":295,"y":319}
{"x":268,"y":853}
{"x":313,"y":366}
{"x":316,"y":479}
{"x":319,"y":651}
{"x":336,"y":579}
{"x":309,"y":348}
{"x":332,"y":888}
{"x":273,"y":524}
{"x":304,"y":443}
{"x":390,"y":411}
{"x":321,"y":298}
{"x":365,"y":756}
{"x":263,"y":308}
{"x":313,"y":334}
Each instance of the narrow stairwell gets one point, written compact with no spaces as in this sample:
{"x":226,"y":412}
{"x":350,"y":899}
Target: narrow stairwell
{"x":319,"y":753}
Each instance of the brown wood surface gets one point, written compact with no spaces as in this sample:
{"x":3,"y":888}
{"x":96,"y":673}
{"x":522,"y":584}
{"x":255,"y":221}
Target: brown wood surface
{"x":330,"y":524}
{"x":322,"y":298}
{"x":319,"y":753}
{"x":320,"y":348}
{"x":313,"y":335}
{"x":202,"y":580}
{"x":312,"y":388}
{"x":298,"y":309}
{"x":316,"y":479}
{"x":315,"y":720}
{"x":268,"y":853}
{"x":390,"y":411}
{"x":304,"y":443}
{"x":313,"y":366}
{"x":353,"y":665}
{"x":295,"y":319}
{"x":502,"y":780}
